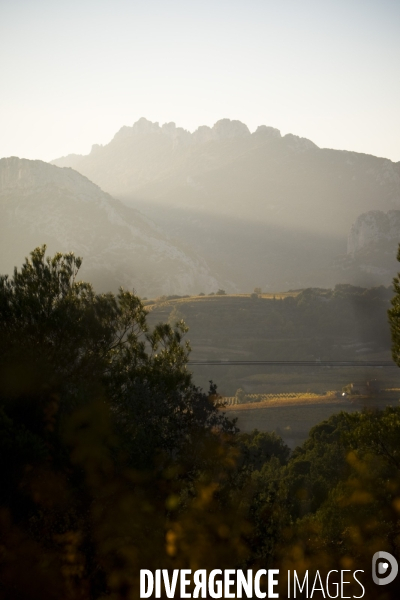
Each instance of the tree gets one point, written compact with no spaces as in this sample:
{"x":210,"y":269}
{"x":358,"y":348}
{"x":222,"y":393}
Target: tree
{"x":110,"y":457}
{"x":394,"y":317}
{"x":258,"y":447}
{"x":58,"y":335}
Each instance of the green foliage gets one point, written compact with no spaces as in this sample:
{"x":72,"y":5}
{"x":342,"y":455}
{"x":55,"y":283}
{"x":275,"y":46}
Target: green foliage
{"x":111,"y":460}
{"x":106,"y":446}
{"x":317,"y":466}
{"x":257,"y":448}
{"x":394,"y":317}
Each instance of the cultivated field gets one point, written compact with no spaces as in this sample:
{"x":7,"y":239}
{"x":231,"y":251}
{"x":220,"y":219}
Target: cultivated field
{"x":346,"y":323}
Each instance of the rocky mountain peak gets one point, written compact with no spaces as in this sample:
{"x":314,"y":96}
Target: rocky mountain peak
{"x":222,"y":129}
{"x":141,"y":127}
{"x":267,"y":132}
{"x":227,"y":129}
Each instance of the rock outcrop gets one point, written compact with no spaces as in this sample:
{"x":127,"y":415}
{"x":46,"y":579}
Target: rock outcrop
{"x":373,"y":227}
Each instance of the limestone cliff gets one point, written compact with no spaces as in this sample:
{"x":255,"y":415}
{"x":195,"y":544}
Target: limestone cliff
{"x":373,"y":227}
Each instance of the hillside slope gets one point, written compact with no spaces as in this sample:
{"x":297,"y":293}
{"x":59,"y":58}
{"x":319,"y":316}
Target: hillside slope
{"x":42,"y":203}
{"x":346,"y":323}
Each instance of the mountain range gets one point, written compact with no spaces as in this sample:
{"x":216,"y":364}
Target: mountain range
{"x":262,"y":209}
{"x":166,"y":211}
{"x":225,"y":170}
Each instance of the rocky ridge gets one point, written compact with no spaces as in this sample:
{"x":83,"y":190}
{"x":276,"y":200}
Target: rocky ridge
{"x":226,"y":170}
{"x":262,"y":209}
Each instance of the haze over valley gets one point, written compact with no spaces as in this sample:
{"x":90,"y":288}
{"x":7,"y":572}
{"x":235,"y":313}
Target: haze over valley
{"x":260,"y":209}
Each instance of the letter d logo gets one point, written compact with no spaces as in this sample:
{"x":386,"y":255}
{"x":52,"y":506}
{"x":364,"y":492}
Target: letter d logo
{"x":383,"y":568}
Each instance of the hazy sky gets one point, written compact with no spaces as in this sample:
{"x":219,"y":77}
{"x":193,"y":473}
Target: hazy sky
{"x":73,"y":72}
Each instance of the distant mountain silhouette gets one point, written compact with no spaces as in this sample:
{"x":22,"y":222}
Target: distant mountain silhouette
{"x":260,"y":208}
{"x":226,"y":170}
{"x":42,"y":203}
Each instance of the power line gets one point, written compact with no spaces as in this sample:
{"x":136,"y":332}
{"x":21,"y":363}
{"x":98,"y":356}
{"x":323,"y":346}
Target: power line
{"x":295,"y":363}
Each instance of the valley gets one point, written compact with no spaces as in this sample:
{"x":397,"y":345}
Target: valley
{"x":346,"y":323}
